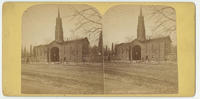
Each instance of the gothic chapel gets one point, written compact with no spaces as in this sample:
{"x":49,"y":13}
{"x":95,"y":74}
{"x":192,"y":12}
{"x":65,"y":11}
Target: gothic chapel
{"x":60,"y":50}
{"x":142,"y":48}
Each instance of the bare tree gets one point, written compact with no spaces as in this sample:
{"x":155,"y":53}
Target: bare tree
{"x":130,"y":38}
{"x":88,"y":23}
{"x":164,"y":19}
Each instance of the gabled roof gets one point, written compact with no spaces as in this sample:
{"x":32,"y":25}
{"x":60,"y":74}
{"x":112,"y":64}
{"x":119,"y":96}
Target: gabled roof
{"x":66,"y":42}
{"x":160,"y":38}
{"x":41,"y":45}
{"x":55,"y":42}
{"x":76,"y":40}
{"x":149,"y":40}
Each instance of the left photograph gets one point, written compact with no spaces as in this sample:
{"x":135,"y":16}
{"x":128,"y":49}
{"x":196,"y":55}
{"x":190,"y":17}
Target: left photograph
{"x":62,"y":50}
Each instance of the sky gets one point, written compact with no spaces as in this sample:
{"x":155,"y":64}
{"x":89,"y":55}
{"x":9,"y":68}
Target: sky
{"x":119,"y":24}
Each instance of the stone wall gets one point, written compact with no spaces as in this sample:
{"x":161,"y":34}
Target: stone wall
{"x":156,"y":50}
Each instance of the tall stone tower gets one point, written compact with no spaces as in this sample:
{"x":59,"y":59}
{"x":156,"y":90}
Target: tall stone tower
{"x":59,"y":29}
{"x":141,"y":27}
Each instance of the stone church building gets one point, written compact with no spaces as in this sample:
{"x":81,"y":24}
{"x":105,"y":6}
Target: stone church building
{"x":60,"y":50}
{"x":142,"y":48}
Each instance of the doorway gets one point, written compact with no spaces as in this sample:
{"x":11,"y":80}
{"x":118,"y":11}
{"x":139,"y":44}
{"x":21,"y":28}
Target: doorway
{"x":54,"y":54}
{"x":136,"y":52}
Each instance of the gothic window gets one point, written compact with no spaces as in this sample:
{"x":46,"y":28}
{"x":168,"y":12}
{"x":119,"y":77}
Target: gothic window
{"x":152,"y":48}
{"x":64,"y":50}
{"x":43,"y":51}
{"x":40,"y":52}
{"x":70,"y":50}
{"x":37,"y":52}
{"x":77,"y":52}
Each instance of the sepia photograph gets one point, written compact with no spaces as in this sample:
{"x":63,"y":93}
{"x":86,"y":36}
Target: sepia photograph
{"x":73,"y":49}
{"x":62,"y":52}
{"x":140,"y":50}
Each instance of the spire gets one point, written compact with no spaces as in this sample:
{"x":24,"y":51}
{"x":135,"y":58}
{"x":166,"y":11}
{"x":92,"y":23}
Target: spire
{"x":59,"y":29}
{"x":141,"y":27}
{"x":58,"y":13}
{"x":140,"y":11}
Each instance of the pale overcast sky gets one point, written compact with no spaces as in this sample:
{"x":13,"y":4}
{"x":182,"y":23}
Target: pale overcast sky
{"x":119,"y":23}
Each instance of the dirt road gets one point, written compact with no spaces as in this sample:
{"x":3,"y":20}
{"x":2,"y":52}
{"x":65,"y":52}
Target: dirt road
{"x":121,"y":78}
{"x":141,"y":78}
{"x":60,"y":79}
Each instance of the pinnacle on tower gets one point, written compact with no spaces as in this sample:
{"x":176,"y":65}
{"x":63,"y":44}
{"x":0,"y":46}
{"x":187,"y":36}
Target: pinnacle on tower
{"x":58,"y":13}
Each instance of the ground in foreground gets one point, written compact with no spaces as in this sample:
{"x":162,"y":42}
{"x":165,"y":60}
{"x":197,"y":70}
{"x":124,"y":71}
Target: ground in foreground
{"x":127,"y":78}
{"x":62,"y":79}
{"x":116,"y":78}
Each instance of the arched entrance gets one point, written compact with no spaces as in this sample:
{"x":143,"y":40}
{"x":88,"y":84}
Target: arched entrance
{"x":54,"y":55}
{"x":136,"y":52}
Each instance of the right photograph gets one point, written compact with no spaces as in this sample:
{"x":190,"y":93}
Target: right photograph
{"x":140,"y":50}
